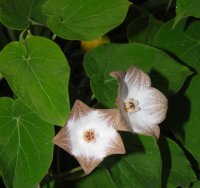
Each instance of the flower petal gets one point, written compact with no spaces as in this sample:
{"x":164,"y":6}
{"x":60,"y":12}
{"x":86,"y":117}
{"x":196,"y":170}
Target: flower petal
{"x":141,"y":106}
{"x":62,"y":140}
{"x":114,"y":116}
{"x":89,"y":136}
{"x":153,"y":108}
{"x":149,"y":131}
{"x":88,"y":163}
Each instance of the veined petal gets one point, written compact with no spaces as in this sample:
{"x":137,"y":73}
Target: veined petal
{"x":153,"y":130}
{"x":89,"y":136}
{"x":136,"y":80}
{"x":153,"y":108}
{"x":142,"y":107}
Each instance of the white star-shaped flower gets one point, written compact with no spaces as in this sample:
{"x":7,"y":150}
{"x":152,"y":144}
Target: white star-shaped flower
{"x":90,"y":136}
{"x":142,"y":107}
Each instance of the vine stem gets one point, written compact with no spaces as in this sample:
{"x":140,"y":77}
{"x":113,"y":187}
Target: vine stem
{"x":68,"y":175}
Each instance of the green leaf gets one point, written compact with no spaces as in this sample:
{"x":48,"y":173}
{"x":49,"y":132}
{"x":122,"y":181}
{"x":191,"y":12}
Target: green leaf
{"x":185,"y":8}
{"x":166,"y":74}
{"x":196,"y":184}
{"x":143,"y":29}
{"x":183,"y":118}
{"x":38,"y":73}
{"x":183,"y":41}
{"x":84,"y":20}
{"x":98,"y":179}
{"x":143,"y":166}
{"x":26,"y":148}
{"x":139,"y":168}
{"x":18,"y":14}
{"x":176,"y":170}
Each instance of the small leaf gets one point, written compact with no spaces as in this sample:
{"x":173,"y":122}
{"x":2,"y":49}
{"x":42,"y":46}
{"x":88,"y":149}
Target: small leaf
{"x":185,"y":8}
{"x":84,"y":20}
{"x":26,"y":148}
{"x":17,"y":14}
{"x":183,"y":42}
{"x":167,"y":75}
{"x":143,"y":29}
{"x":38,"y":73}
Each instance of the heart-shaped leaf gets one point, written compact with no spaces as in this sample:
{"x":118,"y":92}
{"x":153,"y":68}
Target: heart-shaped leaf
{"x":143,"y":29}
{"x":167,"y":74}
{"x":26,"y":147}
{"x":183,"y":41}
{"x":17,"y":14}
{"x":183,"y":117}
{"x":187,"y":8}
{"x":84,"y":20}
{"x":38,"y":73}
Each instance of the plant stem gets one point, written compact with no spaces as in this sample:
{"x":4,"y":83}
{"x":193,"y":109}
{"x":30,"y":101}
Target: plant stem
{"x":64,"y":174}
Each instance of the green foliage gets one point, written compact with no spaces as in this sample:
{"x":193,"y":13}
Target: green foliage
{"x":183,"y":41}
{"x":187,"y":8}
{"x":143,"y":166}
{"x":24,"y":65}
{"x":26,"y":147}
{"x":188,"y":52}
{"x":18,"y":14}
{"x":143,"y":29}
{"x":40,"y":78}
{"x":84,"y":20}
{"x":167,"y":74}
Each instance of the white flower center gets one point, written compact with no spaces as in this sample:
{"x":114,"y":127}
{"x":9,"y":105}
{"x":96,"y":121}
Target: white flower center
{"x":89,"y":136}
{"x":131,"y":105}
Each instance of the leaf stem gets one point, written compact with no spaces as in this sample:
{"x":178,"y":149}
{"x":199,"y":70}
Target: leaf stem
{"x":68,"y":175}
{"x":54,"y":36}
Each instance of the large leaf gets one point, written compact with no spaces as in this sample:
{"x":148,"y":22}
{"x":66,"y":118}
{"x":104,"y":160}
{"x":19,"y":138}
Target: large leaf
{"x":183,"y":41}
{"x":143,"y":166}
{"x":17,"y":14}
{"x":185,"y":8}
{"x":176,"y":169}
{"x":38,"y":73}
{"x":84,"y":20}
{"x":183,"y":118}
{"x":26,"y":147}
{"x":167,"y":75}
{"x":143,"y":29}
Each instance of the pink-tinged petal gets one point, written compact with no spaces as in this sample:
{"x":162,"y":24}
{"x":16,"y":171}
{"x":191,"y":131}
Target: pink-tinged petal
{"x":117,"y":121}
{"x":141,"y":106}
{"x":131,"y":82}
{"x":153,"y":130}
{"x":137,"y":79}
{"x":88,"y":164}
{"x":153,"y":107}
{"x":62,"y":140}
{"x":89,"y":136}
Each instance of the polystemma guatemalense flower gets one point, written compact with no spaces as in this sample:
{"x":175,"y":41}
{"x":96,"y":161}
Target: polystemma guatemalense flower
{"x":89,"y":135}
{"x":142,"y":107}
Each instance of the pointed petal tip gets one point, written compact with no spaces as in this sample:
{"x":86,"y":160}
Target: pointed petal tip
{"x":154,"y":132}
{"x":88,"y":164}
